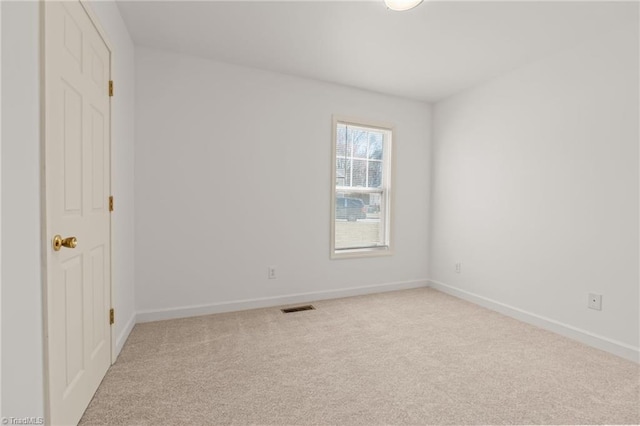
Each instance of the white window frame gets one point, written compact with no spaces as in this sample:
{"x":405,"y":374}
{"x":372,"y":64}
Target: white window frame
{"x":387,"y":179}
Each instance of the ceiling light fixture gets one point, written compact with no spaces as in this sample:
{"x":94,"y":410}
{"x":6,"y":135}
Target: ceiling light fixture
{"x":401,"y":5}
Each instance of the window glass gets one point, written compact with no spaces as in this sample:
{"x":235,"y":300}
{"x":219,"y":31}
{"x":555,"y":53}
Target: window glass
{"x":361,"y":208}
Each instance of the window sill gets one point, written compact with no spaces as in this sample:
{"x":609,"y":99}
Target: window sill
{"x":360,"y":253}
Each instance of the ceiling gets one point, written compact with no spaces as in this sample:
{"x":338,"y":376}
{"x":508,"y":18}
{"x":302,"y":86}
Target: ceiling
{"x":428,"y":53}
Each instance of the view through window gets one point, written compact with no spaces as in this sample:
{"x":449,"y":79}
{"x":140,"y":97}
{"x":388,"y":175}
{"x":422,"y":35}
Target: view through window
{"x":362,"y":184}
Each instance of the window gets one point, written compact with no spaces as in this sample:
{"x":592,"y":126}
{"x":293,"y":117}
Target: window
{"x":361,"y":189}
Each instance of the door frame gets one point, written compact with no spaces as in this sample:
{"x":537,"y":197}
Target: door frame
{"x":46,"y":243}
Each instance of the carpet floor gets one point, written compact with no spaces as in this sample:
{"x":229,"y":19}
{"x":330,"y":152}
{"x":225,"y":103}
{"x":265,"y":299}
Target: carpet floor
{"x":399,"y":358}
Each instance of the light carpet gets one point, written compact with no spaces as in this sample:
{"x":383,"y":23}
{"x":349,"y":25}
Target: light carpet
{"x":406,"y":357}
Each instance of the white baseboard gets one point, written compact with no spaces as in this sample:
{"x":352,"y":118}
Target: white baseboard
{"x":265,"y":302}
{"x":124,"y":335}
{"x":600,"y":342}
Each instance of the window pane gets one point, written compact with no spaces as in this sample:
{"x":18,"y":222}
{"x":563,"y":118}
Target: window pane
{"x":358,"y":223}
{"x":361,"y":211}
{"x":341,"y":172}
{"x":359,"y":173}
{"x":375,"y":145}
{"x":341,"y":141}
{"x":375,"y":174}
{"x":360,"y":143}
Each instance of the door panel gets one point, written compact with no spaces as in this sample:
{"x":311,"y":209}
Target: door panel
{"x":73,"y":323}
{"x":97,"y":166}
{"x":72,"y":148}
{"x":77,"y":164}
{"x":97,"y":293}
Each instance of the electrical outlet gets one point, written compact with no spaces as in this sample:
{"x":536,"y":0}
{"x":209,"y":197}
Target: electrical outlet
{"x":458,"y":267}
{"x":595,"y":301}
{"x":271,"y":272}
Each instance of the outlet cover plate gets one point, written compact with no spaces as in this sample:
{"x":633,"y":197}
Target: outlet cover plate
{"x":595,"y":301}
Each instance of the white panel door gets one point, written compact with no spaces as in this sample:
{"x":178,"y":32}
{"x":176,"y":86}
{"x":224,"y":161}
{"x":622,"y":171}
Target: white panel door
{"x":77,"y":151}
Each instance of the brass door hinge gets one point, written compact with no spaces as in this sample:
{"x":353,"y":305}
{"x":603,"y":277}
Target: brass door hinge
{"x":112,"y":316}
{"x":110,"y":87}
{"x":111,"y":203}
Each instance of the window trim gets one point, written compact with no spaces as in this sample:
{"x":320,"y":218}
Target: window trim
{"x":389,"y":164}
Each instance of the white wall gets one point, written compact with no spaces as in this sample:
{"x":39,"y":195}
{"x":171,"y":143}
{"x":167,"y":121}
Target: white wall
{"x":233,"y":174}
{"x":22,"y":323}
{"x":0,"y":210}
{"x":22,"y":338}
{"x":535,"y":191}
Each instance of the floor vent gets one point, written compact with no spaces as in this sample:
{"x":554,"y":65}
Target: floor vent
{"x":298,"y":309}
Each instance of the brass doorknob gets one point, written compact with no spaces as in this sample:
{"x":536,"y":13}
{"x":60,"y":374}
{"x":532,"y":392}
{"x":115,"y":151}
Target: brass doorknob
{"x":59,"y":242}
